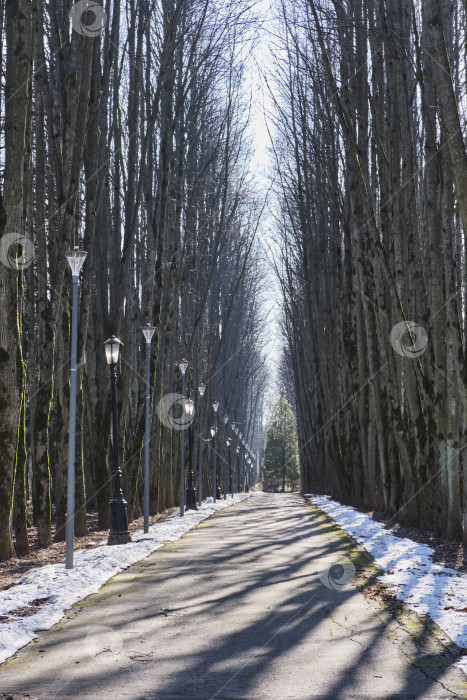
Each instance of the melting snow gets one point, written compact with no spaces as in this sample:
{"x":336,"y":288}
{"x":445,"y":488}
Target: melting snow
{"x":92,"y":568}
{"x":410,"y":573}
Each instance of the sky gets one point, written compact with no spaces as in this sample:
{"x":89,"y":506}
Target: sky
{"x":261,"y":169}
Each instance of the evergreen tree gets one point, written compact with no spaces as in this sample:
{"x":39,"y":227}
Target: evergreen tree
{"x":281,"y":449}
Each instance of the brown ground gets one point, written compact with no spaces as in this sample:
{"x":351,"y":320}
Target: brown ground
{"x":13,"y":569}
{"x":448,"y":553}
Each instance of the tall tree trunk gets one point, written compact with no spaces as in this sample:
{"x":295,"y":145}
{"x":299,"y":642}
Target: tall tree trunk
{"x":17,"y":96}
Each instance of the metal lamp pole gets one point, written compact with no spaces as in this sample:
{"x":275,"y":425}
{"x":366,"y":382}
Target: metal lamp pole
{"x":213,"y":449}
{"x":75,"y":259}
{"x":235,"y":429}
{"x":148,"y":332}
{"x":228,"y":443}
{"x":201,"y":390}
{"x":119,"y":533}
{"x":237,"y":450}
{"x":190,"y":489}
{"x":224,"y":473}
{"x":182,"y":366}
{"x":244,"y":467}
{"x":242,"y":472}
{"x":215,"y":406}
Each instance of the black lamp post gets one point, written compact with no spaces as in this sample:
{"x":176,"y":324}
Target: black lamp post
{"x":119,"y":533}
{"x":201,"y":390}
{"x":228,"y":442}
{"x":190,"y":490}
{"x":237,"y":452}
{"x":215,"y":487}
{"x":213,"y":448}
{"x":242,"y":466}
{"x":224,"y":472}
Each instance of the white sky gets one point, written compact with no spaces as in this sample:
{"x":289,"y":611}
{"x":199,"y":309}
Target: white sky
{"x":261,"y":167}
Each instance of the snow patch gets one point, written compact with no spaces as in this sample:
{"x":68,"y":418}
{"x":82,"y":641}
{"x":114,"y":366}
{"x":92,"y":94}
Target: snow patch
{"x":92,"y":568}
{"x":410,"y":573}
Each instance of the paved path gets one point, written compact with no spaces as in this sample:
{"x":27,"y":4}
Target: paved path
{"x":235,"y":609}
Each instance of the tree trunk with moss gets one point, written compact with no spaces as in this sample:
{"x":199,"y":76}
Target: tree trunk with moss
{"x":17,"y":96}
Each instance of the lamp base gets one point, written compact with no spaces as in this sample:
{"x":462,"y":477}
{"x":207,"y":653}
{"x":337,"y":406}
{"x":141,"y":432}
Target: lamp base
{"x":119,"y":533}
{"x":119,"y":538}
{"x":191,"y":498}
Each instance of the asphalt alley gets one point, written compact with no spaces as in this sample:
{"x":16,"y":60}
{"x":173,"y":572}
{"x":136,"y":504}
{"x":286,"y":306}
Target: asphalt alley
{"x":240,"y":607}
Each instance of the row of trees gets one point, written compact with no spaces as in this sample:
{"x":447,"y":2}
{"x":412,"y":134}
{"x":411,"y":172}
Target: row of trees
{"x":370,"y":100}
{"x":124,"y":134}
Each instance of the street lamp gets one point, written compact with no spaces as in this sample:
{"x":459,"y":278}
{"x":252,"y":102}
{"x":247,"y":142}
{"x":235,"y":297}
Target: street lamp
{"x":215,"y":406}
{"x":224,"y":479}
{"x":237,"y":450}
{"x":148,"y":332}
{"x":119,"y":533}
{"x":228,"y":443}
{"x":216,"y":492}
{"x":183,"y":367}
{"x":75,"y":259}
{"x":201,"y":390}
{"x":189,"y":408}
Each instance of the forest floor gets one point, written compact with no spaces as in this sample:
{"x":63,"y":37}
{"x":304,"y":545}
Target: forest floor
{"x":13,"y":569}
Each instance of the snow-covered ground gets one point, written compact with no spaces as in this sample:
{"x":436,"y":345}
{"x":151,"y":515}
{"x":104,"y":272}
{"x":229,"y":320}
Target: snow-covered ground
{"x":92,"y":568}
{"x":425,"y":587}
